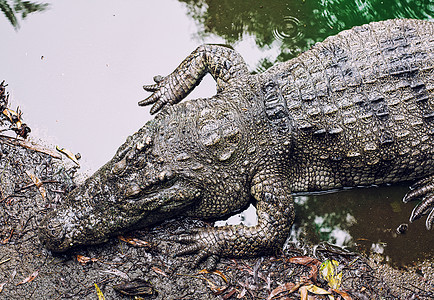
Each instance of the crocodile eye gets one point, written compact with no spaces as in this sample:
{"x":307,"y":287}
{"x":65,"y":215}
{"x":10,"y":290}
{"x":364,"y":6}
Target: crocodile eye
{"x":165,"y":175}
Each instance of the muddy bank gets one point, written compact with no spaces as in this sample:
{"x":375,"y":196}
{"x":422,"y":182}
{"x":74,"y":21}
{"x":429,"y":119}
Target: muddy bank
{"x":27,"y":270}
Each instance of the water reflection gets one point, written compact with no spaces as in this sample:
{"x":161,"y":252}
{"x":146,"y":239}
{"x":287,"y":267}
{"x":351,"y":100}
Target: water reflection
{"x":294,"y":26}
{"x":14,"y":9}
{"x":364,"y":220}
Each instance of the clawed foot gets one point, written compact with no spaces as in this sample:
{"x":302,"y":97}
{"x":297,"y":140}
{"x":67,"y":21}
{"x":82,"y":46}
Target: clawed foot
{"x":161,"y":95}
{"x":202,"y":243}
{"x":423,"y":189}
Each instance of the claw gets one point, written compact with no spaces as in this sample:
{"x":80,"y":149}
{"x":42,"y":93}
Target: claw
{"x":418,"y":192}
{"x":200,"y":256}
{"x":430,"y":220}
{"x":422,"y":182}
{"x":197,"y":244}
{"x":211,"y":262}
{"x":158,"y":78}
{"x":151,"y":99}
{"x":156,"y":107}
{"x":188,"y":250}
{"x":183,"y":238}
{"x":423,"y":208}
{"x":151,"y":87}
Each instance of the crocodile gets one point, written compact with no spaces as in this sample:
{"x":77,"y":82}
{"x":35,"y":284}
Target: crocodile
{"x":355,"y":110}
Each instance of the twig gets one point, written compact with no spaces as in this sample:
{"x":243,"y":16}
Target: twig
{"x":5,"y":261}
{"x":29,"y":145}
{"x":33,"y":184}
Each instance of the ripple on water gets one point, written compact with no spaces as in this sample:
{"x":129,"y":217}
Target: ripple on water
{"x":289,"y":30}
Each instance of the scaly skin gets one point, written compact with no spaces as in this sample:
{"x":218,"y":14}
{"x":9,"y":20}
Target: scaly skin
{"x":356,"y":109}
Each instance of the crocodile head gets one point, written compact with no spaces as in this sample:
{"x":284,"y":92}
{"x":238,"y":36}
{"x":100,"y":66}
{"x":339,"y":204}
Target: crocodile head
{"x":159,"y":172}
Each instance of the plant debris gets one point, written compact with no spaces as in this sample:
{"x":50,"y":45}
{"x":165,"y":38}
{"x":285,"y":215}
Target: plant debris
{"x":136,"y":287}
{"x":12,"y":117}
{"x":134,"y":241}
{"x":99,"y":293}
{"x":69,"y":154}
{"x":84,"y":259}
{"x":30,"y":278}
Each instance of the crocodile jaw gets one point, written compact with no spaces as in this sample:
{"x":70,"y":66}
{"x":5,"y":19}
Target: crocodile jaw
{"x":80,"y":222}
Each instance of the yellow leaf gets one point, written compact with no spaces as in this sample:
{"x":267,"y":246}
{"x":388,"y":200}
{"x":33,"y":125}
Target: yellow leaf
{"x":69,"y":154}
{"x":329,"y":272}
{"x":99,"y":293}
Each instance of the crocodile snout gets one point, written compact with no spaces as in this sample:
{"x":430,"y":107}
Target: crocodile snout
{"x":52,"y":234}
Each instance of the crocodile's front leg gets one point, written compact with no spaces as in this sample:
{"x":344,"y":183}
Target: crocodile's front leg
{"x":275,"y":212}
{"x":222,"y":62}
{"x":423,"y":189}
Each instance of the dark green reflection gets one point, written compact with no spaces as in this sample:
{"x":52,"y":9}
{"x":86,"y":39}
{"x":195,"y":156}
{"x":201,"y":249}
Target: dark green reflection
{"x":294,"y":26}
{"x":16,"y":8}
{"x":364,"y":219}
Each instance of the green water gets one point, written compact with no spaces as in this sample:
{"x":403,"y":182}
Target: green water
{"x":293,"y":26}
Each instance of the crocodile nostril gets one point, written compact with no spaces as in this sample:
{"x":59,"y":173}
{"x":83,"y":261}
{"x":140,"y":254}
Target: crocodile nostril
{"x":52,"y":234}
{"x":119,"y":167}
{"x":55,"y":228}
{"x":132,"y":190}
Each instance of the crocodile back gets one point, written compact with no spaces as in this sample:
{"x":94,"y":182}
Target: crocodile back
{"x":360,"y":106}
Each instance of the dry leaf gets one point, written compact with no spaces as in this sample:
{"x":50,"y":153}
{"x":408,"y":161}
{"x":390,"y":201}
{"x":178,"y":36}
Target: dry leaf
{"x":317,"y":290}
{"x":242,"y":293}
{"x":84,"y":259}
{"x":29,"y":278}
{"x":2,"y":286}
{"x":135,"y":287}
{"x":29,"y":145}
{"x":117,"y":273}
{"x":5,"y":261}
{"x":288,"y":287}
{"x":229,"y":294}
{"x":304,"y":260}
{"x":217,"y":272}
{"x":307,"y":261}
{"x":133,"y":241}
{"x":159,"y":271}
{"x":38,"y":184}
{"x":343,"y":294}
{"x":303,"y":293}
{"x":6,"y":240}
